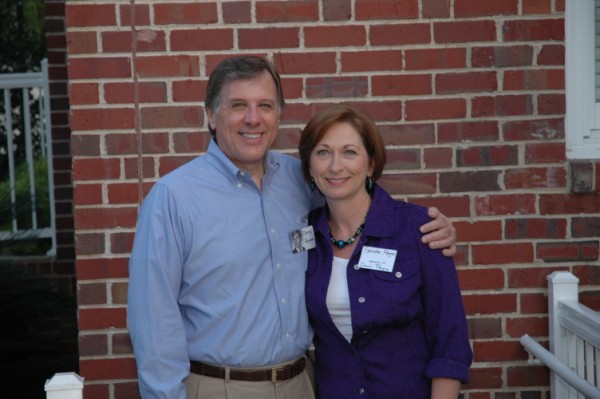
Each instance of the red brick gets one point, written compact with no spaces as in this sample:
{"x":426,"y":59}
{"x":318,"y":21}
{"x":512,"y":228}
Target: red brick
{"x":450,"y":206}
{"x":104,"y":218}
{"x":482,"y":180}
{"x":468,"y":131}
{"x":89,"y":15}
{"x":469,"y":82}
{"x":535,"y":178}
{"x":534,"y":303}
{"x":544,"y":153}
{"x":141,"y":12}
{"x":487,"y":156}
{"x":536,"y":7}
{"x":502,"y":105}
{"x":287,"y":11}
{"x":123,"y":193}
{"x":275,"y":38}
{"x":535,"y":228}
{"x":502,"y":56}
{"x":533,"y":277}
{"x":409,"y":183}
{"x":480,"y":278}
{"x":102,"y":119}
{"x":362,"y":61}
{"x":401,"y":85}
{"x":185,"y":13}
{"x":89,"y":244}
{"x":485,"y":327}
{"x":186,"y":142}
{"x":121,"y":344}
{"x":408,"y":134}
{"x":108,"y":369}
{"x":96,"y":169}
{"x":490,"y":303}
{"x":395,"y":35}
{"x":93,"y":345}
{"x":134,"y":169}
{"x":337,"y":86}
{"x":201,"y":39}
{"x":335,"y":36}
{"x":87,"y":194}
{"x":464,"y":31}
{"x":386,"y":9}
{"x":404,"y":158}
{"x":305,"y":63}
{"x":539,"y":79}
{"x":498,"y":351}
{"x":437,"y":158}
{"x":167,"y":66}
{"x":484,"y":230}
{"x":449,"y":108}
{"x":551,"y":54}
{"x":585,"y":226}
{"x":533,"y":30}
{"x":121,"y":243}
{"x":537,"y":129}
{"x":443,"y":58}
{"x":100,"y":269}
{"x":568,"y":251}
{"x":96,"y":391}
{"x":476,"y":8}
{"x":125,"y":390}
{"x":84,"y":93}
{"x":528,"y":376}
{"x":237,"y":12}
{"x":339,"y":10}
{"x":167,"y":164}
{"x":167,"y":116}
{"x":484,"y":378}
{"x":190,"y":90}
{"x":570,"y":204}
{"x":85,"y":144}
{"x":121,"y":42}
{"x":82,"y":42}
{"x":92,"y":294}
{"x":551,"y":104}
{"x":97,"y":68}
{"x":436,"y":8}
{"x":502,"y":254}
{"x":124,"y":93}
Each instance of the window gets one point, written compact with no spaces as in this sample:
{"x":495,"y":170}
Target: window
{"x":582,"y":65}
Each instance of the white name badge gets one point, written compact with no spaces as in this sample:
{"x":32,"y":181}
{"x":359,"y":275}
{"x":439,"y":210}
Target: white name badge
{"x":379,"y":259}
{"x":302,"y":239}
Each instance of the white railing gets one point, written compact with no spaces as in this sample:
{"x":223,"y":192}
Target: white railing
{"x":574,"y":356}
{"x":64,"y":386}
{"x":34,"y":88}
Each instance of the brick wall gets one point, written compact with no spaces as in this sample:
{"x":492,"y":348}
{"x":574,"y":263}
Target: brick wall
{"x":469,"y":95}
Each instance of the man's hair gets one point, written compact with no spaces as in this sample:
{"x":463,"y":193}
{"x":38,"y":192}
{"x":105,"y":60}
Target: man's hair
{"x":236,"y":68}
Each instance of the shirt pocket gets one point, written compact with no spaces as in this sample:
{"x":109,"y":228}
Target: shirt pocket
{"x":399,"y":290}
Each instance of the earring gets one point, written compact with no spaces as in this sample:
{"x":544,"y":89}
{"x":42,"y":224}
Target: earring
{"x":312,"y":184}
{"x":369,"y":185}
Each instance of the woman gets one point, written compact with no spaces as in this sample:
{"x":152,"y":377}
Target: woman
{"x":387,"y":311}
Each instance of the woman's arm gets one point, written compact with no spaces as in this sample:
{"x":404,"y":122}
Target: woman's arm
{"x":444,"y":388}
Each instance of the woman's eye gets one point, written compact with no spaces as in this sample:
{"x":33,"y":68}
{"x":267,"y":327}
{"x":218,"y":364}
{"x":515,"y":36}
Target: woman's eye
{"x":322,"y":153}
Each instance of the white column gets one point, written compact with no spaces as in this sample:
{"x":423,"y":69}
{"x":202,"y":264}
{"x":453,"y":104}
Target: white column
{"x":64,"y":386}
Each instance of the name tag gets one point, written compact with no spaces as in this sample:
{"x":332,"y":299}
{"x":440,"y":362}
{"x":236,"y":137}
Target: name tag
{"x":303,"y":239}
{"x":380,"y":259}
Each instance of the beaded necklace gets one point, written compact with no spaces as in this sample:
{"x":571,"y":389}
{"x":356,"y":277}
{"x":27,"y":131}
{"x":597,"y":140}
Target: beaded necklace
{"x":340,"y":243}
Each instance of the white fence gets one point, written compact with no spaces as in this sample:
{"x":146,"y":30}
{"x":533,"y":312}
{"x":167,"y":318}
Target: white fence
{"x":31,"y":89}
{"x":574,"y":356}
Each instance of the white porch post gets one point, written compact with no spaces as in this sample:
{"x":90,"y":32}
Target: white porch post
{"x":562,"y":286}
{"x":64,"y":386}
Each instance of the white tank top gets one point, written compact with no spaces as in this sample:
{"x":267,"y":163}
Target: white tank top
{"x":338,"y":298}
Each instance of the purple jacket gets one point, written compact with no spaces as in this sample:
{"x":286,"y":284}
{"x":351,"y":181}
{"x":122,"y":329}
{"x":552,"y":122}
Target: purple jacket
{"x":409,"y":325}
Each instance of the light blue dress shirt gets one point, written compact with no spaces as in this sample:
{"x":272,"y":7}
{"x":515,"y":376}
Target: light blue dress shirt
{"x":212,"y":273}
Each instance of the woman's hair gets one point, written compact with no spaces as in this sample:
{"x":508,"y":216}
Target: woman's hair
{"x":319,"y":124}
{"x":236,"y":68}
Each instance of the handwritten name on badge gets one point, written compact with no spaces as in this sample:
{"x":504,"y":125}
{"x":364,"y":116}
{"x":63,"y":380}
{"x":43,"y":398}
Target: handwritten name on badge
{"x":380,"y":259}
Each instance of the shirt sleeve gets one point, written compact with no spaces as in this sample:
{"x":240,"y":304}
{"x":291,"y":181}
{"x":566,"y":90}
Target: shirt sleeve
{"x":445,"y":320}
{"x":154,"y":317}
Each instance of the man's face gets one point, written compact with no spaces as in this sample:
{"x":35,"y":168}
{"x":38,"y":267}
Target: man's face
{"x":246,"y":120}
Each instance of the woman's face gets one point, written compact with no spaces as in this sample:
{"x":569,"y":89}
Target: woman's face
{"x":339,"y":163}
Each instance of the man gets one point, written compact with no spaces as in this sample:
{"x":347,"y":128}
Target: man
{"x":216,"y":294}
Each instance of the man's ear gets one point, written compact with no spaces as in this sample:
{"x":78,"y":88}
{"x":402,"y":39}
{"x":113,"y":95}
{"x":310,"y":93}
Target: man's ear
{"x":211,"y":118}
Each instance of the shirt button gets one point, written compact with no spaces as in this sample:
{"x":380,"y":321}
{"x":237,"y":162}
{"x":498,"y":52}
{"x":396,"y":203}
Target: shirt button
{"x":283,"y":300}
{"x":272,"y":230}
{"x":239,"y":185}
{"x":278,"y":264}
{"x":398,"y":274}
{"x":361,"y":391}
{"x":356,"y":267}
{"x":361,"y":299}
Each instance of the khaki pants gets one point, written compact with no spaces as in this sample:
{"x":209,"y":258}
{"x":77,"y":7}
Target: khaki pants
{"x":202,"y":387}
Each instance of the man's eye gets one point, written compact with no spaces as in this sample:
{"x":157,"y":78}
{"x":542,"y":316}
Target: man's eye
{"x":237,"y":105}
{"x":266,"y":106}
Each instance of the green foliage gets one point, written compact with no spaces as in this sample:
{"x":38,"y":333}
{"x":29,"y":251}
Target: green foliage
{"x":25,"y":243}
{"x":22,"y":36}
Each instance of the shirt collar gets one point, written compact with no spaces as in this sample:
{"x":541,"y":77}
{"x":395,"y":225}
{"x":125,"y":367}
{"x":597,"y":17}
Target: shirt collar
{"x":224,"y":165}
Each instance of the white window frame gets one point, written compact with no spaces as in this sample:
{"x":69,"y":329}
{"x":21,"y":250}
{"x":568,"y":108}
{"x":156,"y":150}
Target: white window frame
{"x":582,"y":119}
